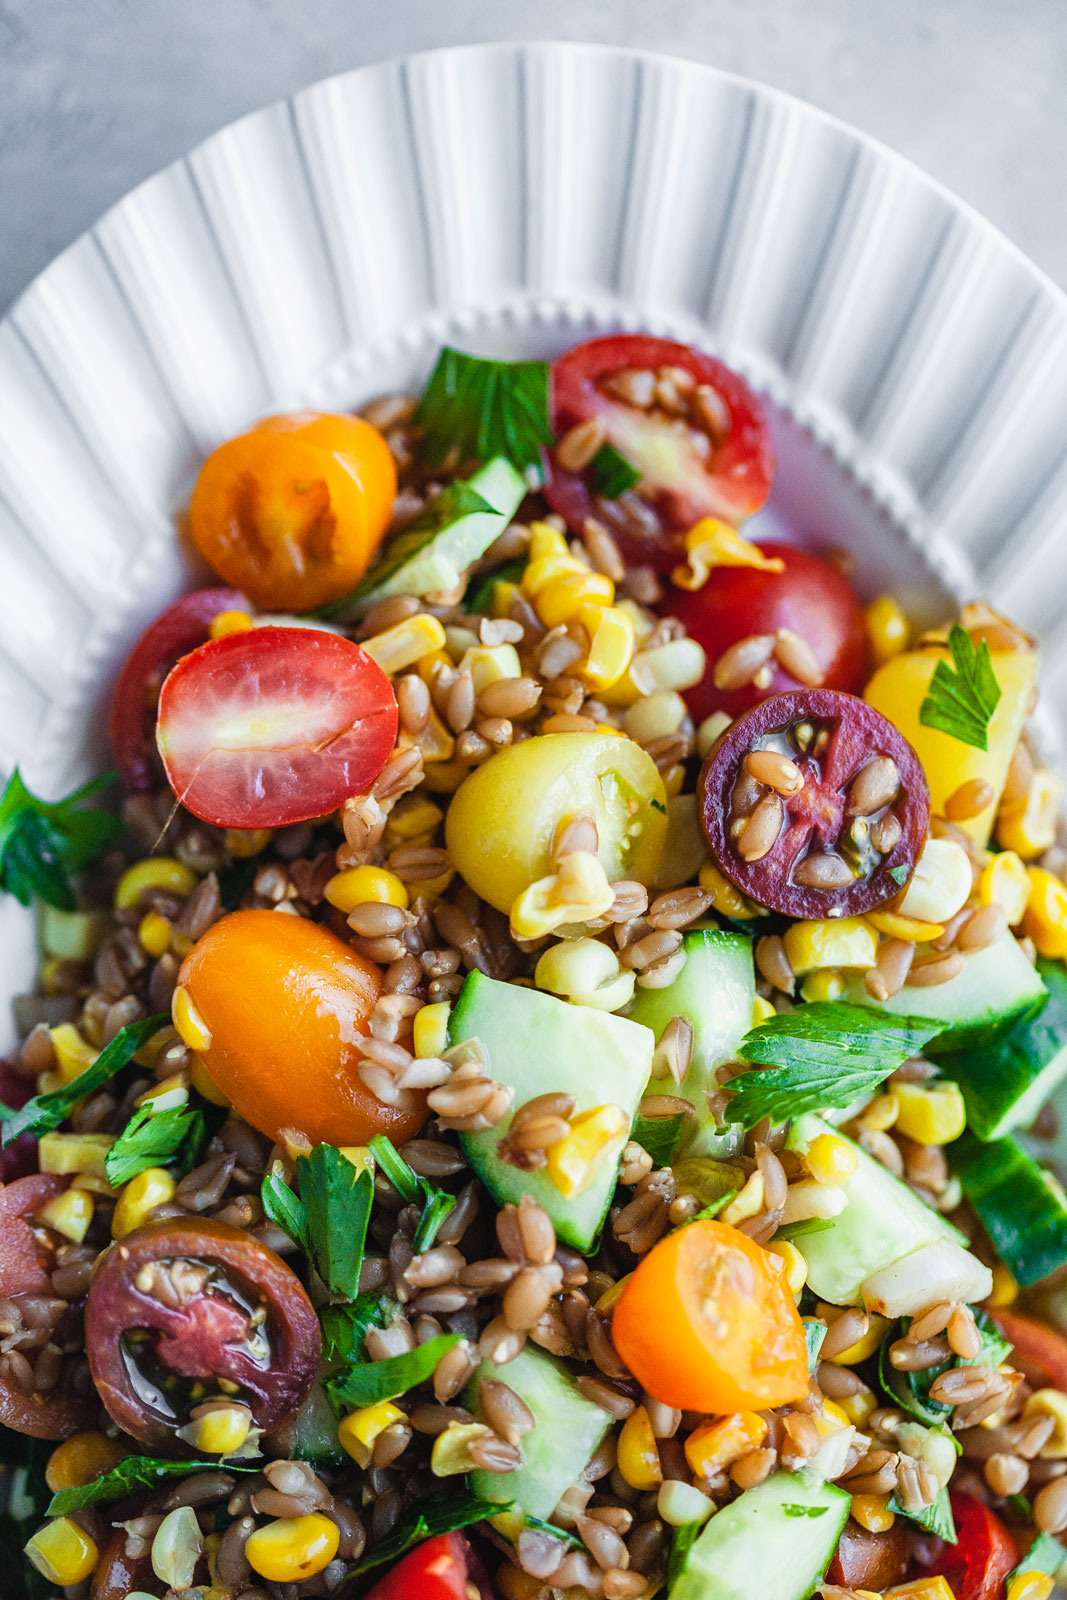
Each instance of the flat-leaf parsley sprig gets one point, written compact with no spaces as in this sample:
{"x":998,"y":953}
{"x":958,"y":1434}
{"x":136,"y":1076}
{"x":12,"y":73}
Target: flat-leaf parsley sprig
{"x":44,"y":843}
{"x":482,"y":408}
{"x":962,"y":698}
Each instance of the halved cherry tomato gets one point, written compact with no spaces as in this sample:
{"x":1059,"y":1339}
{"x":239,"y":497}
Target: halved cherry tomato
{"x":866,"y":1560}
{"x":445,"y":1568}
{"x":180,"y":1304}
{"x":293,"y":510}
{"x":701,"y":443}
{"x":707,"y":1323}
{"x":829,"y":849}
{"x":273,"y":726}
{"x":978,"y":1563}
{"x":285,"y":1002}
{"x":809,"y":596}
{"x":1037,"y":1349}
{"x":20,"y":1157}
{"x":174,"y":633}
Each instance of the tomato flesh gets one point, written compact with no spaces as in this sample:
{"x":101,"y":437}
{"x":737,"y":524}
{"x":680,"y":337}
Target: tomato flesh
{"x":978,"y":1563}
{"x":866,"y":1560}
{"x":24,"y":1260}
{"x":273,"y":726}
{"x":18,"y":1159}
{"x":686,"y":471}
{"x":829,"y":738}
{"x":444,"y":1568}
{"x":1037,"y":1349}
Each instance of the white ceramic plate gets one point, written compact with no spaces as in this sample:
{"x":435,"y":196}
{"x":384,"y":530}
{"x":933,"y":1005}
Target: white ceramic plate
{"x":513,"y":199}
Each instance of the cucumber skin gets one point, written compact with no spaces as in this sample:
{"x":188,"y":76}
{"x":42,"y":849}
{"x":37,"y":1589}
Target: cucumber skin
{"x":1006,"y":1082}
{"x":753,"y":1547}
{"x":1023,"y":1216}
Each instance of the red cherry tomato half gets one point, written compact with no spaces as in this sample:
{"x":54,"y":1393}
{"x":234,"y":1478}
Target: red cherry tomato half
{"x":180,"y":1304}
{"x":824,"y":849}
{"x":175,"y":631}
{"x":701,"y":443}
{"x":809,"y":596}
{"x":978,"y":1563}
{"x":273,"y":726}
{"x":20,"y":1157}
{"x":445,"y":1568}
{"x":1037,"y":1349}
{"x":865,"y":1560}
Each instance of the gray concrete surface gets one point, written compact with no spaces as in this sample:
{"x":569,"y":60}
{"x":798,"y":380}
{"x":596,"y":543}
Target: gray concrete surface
{"x":97,"y":94}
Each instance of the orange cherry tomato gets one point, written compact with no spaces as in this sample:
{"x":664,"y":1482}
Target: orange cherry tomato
{"x":707,"y":1323}
{"x":292,"y":511}
{"x":282,"y":1002}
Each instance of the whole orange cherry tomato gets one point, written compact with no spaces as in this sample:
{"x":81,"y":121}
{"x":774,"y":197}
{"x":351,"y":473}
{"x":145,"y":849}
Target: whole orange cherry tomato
{"x":292,"y":511}
{"x":274,"y":1006}
{"x":707,"y":1323}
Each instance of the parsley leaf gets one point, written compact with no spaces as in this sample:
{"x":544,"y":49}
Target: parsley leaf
{"x":797,"y":1230}
{"x":824,"y":1054}
{"x":610,"y":474}
{"x":47,"y":1111}
{"x":899,"y":873}
{"x":659,"y":1136}
{"x":136,"y":1472}
{"x":344,"y":1328}
{"x":486,"y":408}
{"x":962,"y":698}
{"x":911,"y":1390}
{"x":154,"y":1139}
{"x":425,"y":1521}
{"x":368,"y":1382}
{"x":43,"y":843}
{"x":329,"y":1219}
{"x":25,"y":1501}
{"x":436,"y":1203}
{"x":936,"y":1518}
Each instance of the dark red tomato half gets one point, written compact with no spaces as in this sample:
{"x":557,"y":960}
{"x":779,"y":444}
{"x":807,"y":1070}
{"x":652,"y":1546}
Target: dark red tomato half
{"x":273,"y":726}
{"x":693,"y":429}
{"x":978,"y":1563}
{"x":797,"y":814}
{"x":20,"y":1157}
{"x":866,"y":1560}
{"x":177,"y":1304}
{"x":809,"y":597}
{"x":445,"y":1568}
{"x":1037,"y":1349}
{"x":174,"y":633}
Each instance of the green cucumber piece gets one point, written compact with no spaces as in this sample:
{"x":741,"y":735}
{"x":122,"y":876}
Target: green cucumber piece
{"x":567,"y":1429}
{"x":775,"y":1541}
{"x":1007,"y":1081}
{"x":715,"y":991}
{"x":536,"y":1045}
{"x":1020,"y":1205}
{"x":882,"y":1221}
{"x":996,"y":989}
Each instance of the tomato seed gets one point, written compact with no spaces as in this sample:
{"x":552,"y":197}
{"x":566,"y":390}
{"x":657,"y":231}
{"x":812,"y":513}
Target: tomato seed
{"x":710,"y":410}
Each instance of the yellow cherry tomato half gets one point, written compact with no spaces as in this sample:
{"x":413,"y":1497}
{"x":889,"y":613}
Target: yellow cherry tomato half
{"x":292,"y":511}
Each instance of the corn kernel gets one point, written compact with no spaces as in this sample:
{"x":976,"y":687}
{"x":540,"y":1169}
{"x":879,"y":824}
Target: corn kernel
{"x":564,"y":597}
{"x":656,"y":716}
{"x":870,"y":1511}
{"x":638,"y":1455}
{"x":1050,"y":1403}
{"x":1031,"y":1585}
{"x":433,"y":662}
{"x":293,"y":1548}
{"x":358,"y":885}
{"x":166,"y":1095}
{"x":922,"y":1589}
{"x":406,"y":642}
{"x":761,"y":1010}
{"x":204,"y":1084}
{"x":500,"y":598}
{"x":794,"y":1265}
{"x":70,"y":1214}
{"x":247,"y":842}
{"x":73,"y":1053}
{"x":678,"y":664}
{"x":451,"y":1453}
{"x":74,"y":1152}
{"x":888,"y":628}
{"x":880,"y":1114}
{"x":1005,"y":1289}
{"x":1029,"y":826}
{"x":1045,"y":918}
{"x":586,"y":971}
{"x":867,"y":1343}
{"x":712,"y":1446}
{"x":612,"y":644}
{"x":710,"y":543}
{"x":1004,"y":881}
{"x":574,"y":1162}
{"x":911,"y":929}
{"x":830,"y":1159}
{"x":138,"y":1198}
{"x":831,"y":942}
{"x":577,"y":891}
{"x":859,"y":1407}
{"x":154,"y":872}
{"x":826,"y":984}
{"x":748,"y":1202}
{"x":431,"y":1029}
{"x":510,"y":1524}
{"x":62,"y":1552}
{"x":490,"y":663}
{"x":832,"y":1419}
{"x":154,"y":933}
{"x":940,"y":883}
{"x":222,"y":1431}
{"x":81,"y":1458}
{"x":192,"y":1030}
{"x":227,"y":622}
{"x":725,"y":899}
{"x":443,"y":777}
{"x":414,"y":814}
{"x":359,"y":1156}
{"x":930,"y":1113}
{"x":673,"y":779}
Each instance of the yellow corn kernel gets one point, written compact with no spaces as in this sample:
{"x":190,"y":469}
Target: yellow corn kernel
{"x":880,"y":1114}
{"x":451,"y":1453}
{"x":831,"y":942}
{"x":574,"y":1162}
{"x":826,"y":984}
{"x":1030,"y":1585}
{"x":747,"y":1203}
{"x":293,"y":1548}
{"x":638,"y":1454}
{"x":913,"y":929}
{"x":70,"y":1214}
{"x":1029,"y":826}
{"x":138,"y":1198}
{"x":247,"y":842}
{"x":929,"y":1113}
{"x":1005,"y":882}
{"x":678,"y":664}
{"x":406,"y":642}
{"x":166,"y":1095}
{"x":1045,"y":918}
{"x":870,"y":1511}
{"x":673,"y":779}
{"x":794,"y":1265}
{"x":940,"y":884}
{"x":500,"y":598}
{"x":761,"y":1010}
{"x":610,"y":1298}
{"x":489,"y":663}
{"x":866,"y":1344}
{"x":611,"y":635}
{"x":1005,"y":1289}
{"x":922,"y":1589}
{"x":204,"y":1084}
{"x":564,"y":597}
{"x":429,"y":665}
{"x":545,"y":541}
{"x":359,"y":1156}
{"x":577,"y":892}
{"x":859,"y":1407}
{"x":73,"y":1053}
{"x":228,"y":622}
{"x":830,"y":1159}
{"x":888,"y":629}
{"x":712,"y":1446}
{"x":80,"y":1459}
{"x":192,"y":1030}
{"x":437,"y":746}
{"x":414,"y":814}
{"x":1050,"y":1403}
{"x":62,"y":1552}
{"x":75,"y":1152}
{"x":831,"y":1419}
{"x":431,"y":1029}
{"x":725,"y":899}
{"x":711,"y":543}
{"x":154,"y":933}
{"x":357,"y":885}
{"x":222,"y":1431}
{"x":154,"y":872}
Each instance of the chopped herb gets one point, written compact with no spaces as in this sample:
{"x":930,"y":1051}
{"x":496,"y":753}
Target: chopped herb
{"x":136,"y":1472}
{"x":899,"y":873}
{"x":236,"y":879}
{"x":368,"y":1382}
{"x":797,"y":1230}
{"x":712,"y":1210}
{"x":1046,"y":1554}
{"x":814,"y":1334}
{"x":486,"y":408}
{"x":1020,"y":1507}
{"x":43,"y":843}
{"x":911,"y":1390}
{"x":344,"y":1328}
{"x":426,"y":1521}
{"x":155,"y":1139}
{"x":329,"y":1220}
{"x":805,"y":1511}
{"x":657,"y":805}
{"x":659,"y":1136}
{"x":935,"y":1518}
{"x":46,"y":1111}
{"x":682,"y":1542}
{"x":436,"y":1203}
{"x":284,"y":1209}
{"x":479,"y":596}
{"x":563,"y":1534}
{"x":610,"y":474}
{"x":962,"y":698}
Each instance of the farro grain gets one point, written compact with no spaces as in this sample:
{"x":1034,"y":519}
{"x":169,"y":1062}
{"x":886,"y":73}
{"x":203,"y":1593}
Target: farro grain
{"x":822,"y":870}
{"x":1006,"y":1474}
{"x":602,"y":550}
{"x":983,"y":928}
{"x":418,"y":863}
{"x":526,"y":1297}
{"x":1050,"y":1506}
{"x":603,"y":1543}
{"x":773,"y":963}
{"x":738,"y":665}
{"x":505,"y":1411}
{"x":874,"y":786}
{"x":432,"y":1420}
{"x":499,"y":630}
{"x":753,"y":1467}
{"x":798,"y":658}
{"x":678,"y":907}
{"x":932,"y":1321}
{"x":577,"y":447}
{"x":650,"y":948}
{"x":646,"y":1544}
{"x":513,"y":698}
{"x":918,"y":1355}
{"x":499,"y":1343}
{"x":391,"y":1444}
{"x":929,"y":974}
{"x":452,"y":1371}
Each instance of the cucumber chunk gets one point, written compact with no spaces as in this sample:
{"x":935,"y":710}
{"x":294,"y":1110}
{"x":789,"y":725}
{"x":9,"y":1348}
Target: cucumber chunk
{"x":1006,"y":1082}
{"x":537,"y":1045}
{"x":775,"y":1541}
{"x":1020,"y":1205}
